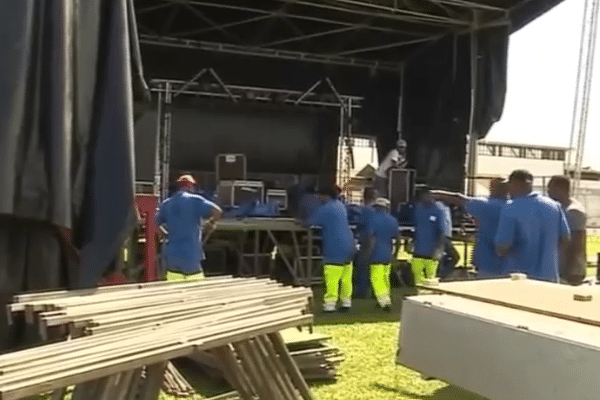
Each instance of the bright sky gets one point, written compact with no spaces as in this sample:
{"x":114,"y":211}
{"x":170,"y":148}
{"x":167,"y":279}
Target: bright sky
{"x":542,"y":70}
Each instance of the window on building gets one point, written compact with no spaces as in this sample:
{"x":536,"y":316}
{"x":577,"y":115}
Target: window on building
{"x":487,"y":150}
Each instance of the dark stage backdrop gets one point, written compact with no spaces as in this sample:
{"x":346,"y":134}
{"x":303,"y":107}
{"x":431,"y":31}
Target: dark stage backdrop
{"x":284,"y":139}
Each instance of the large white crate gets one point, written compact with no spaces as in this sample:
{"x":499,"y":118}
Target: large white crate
{"x":498,"y":352}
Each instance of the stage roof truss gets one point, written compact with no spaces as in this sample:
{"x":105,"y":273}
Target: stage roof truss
{"x":363,"y":33}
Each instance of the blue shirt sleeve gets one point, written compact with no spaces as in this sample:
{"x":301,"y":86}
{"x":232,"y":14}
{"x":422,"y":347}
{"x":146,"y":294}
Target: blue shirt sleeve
{"x":202,"y":207}
{"x":445,"y":222}
{"x":507,"y":229}
{"x":475,"y":206}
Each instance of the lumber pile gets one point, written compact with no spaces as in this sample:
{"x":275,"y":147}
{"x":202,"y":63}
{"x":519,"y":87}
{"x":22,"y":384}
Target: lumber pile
{"x":125,"y":335}
{"x":175,"y":384}
{"x":316,"y":360}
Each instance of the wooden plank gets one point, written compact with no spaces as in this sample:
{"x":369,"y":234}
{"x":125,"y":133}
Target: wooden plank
{"x":234,"y":372}
{"x":258,"y":383}
{"x":263,"y":370}
{"x":292,"y":369}
{"x":153,"y":381}
{"x":275,"y":368}
{"x":533,"y":296}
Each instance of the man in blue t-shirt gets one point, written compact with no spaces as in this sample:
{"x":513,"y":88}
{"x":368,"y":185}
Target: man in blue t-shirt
{"x":382,"y":228}
{"x":432,"y":231}
{"x":363,"y":257}
{"x":182,"y":215}
{"x":338,"y":249}
{"x":531,"y":230}
{"x":486,"y":212}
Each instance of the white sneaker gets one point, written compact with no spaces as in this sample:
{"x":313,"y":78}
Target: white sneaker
{"x":328,"y":307}
{"x":346,"y":303}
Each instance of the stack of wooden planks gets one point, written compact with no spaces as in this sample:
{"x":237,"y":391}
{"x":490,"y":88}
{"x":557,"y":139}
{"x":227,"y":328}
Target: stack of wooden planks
{"x":315,"y":357}
{"x":125,"y":333}
{"x":316,"y":360}
{"x":175,"y":384}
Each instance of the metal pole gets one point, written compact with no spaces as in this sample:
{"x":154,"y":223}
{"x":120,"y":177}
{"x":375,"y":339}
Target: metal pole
{"x":400,"y":102}
{"x":158,"y":148}
{"x":586,"y":95}
{"x":472,"y":162}
{"x":167,"y":141}
{"x":577,"y":85}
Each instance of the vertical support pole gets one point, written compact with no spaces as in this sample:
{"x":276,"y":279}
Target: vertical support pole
{"x":472,"y":161}
{"x":167,"y":140}
{"x":400,"y":102}
{"x":158,"y":147}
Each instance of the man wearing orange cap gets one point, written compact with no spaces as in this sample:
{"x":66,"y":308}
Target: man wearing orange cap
{"x":182,"y":215}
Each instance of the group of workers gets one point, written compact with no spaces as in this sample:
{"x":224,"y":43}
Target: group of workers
{"x":519,"y":230}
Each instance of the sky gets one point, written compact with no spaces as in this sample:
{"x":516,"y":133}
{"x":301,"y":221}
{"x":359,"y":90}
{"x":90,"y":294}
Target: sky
{"x":542,"y":71}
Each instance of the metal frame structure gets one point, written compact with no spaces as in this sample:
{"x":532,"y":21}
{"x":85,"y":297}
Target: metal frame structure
{"x":167,"y":90}
{"x":589,"y":31}
{"x":314,"y":30}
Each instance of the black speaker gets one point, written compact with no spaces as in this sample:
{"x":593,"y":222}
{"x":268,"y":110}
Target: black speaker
{"x":231,"y":167}
{"x":401,"y":187}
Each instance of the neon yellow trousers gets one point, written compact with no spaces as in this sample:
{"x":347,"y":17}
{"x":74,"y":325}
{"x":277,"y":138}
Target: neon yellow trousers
{"x":423,"y":268}
{"x":178,"y":276}
{"x":380,"y":280}
{"x":338,"y":285}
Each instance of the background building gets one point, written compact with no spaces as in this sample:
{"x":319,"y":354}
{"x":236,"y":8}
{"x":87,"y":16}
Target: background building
{"x":498,"y":160}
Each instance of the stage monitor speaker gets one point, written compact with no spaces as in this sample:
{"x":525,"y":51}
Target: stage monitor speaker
{"x":236,"y":193}
{"x":231,"y":167}
{"x":278,"y":196}
{"x":401,"y":187}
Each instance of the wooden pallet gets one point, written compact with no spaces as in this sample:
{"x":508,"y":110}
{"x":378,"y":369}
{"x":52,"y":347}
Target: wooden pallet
{"x":125,"y":335}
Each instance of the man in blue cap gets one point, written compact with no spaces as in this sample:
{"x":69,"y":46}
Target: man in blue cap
{"x":531,"y":231}
{"x":182,"y":215}
{"x":486,"y":211}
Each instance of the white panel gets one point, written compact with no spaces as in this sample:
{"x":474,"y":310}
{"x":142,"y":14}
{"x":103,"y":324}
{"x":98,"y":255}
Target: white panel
{"x":500,"y":353}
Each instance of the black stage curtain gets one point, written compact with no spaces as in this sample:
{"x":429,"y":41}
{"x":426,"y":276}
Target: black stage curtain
{"x":437,"y":100}
{"x":69,"y":75}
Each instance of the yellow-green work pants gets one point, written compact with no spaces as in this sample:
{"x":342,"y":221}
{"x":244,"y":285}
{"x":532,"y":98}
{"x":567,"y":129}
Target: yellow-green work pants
{"x":338,"y":285}
{"x":423,"y":268}
{"x":380,"y":280}
{"x":178,"y":276}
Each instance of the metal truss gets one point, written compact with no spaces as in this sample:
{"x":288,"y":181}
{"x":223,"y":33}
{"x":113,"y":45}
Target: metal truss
{"x":375,"y":30}
{"x":238,"y":93}
{"x":269,"y":53}
{"x":167,"y":90}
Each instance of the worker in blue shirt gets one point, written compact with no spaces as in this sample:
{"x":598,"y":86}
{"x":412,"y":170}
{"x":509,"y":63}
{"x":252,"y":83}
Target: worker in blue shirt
{"x":432,"y":231}
{"x":338,"y":249}
{"x":363,"y":257}
{"x":182,"y":215}
{"x":486,"y":211}
{"x":531,"y":230}
{"x":383,"y":229}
